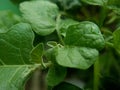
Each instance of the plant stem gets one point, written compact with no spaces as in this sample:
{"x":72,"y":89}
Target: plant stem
{"x":103,"y":15}
{"x":48,"y":64}
{"x":36,"y":80}
{"x":39,"y":76}
{"x":96,"y":75}
{"x":57,"y":29}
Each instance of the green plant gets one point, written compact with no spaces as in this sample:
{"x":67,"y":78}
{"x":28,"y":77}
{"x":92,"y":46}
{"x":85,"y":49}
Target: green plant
{"x":60,"y":37}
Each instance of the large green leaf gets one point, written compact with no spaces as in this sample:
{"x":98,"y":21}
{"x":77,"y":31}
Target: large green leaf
{"x":82,"y":42}
{"x":16,"y":44}
{"x":86,"y":34}
{"x":41,"y":15}
{"x":76,"y":57}
{"x":15,"y":47}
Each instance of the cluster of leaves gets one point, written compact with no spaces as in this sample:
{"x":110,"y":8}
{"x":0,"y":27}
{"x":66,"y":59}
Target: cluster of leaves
{"x":48,"y":35}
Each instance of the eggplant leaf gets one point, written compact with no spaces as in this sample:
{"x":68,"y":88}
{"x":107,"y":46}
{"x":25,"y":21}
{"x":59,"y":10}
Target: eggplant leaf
{"x":15,"y":47}
{"x":82,"y":42}
{"x":41,"y":15}
{"x":76,"y":57}
{"x":85,"y":34}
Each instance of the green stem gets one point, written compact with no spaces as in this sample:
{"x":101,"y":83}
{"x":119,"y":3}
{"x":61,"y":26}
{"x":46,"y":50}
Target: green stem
{"x":57,"y":29}
{"x":116,"y":65}
{"x":109,"y":44}
{"x":47,"y":65}
{"x":96,"y":75}
{"x":35,"y":80}
{"x":103,"y":15}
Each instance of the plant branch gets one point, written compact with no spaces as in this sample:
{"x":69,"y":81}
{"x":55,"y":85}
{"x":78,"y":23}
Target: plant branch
{"x":57,"y":29}
{"x":96,"y":75}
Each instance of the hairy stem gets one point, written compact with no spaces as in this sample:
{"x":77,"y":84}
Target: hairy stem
{"x":57,"y":29}
{"x":96,"y":75}
{"x":103,"y":15}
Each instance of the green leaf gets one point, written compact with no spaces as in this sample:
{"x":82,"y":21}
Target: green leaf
{"x":37,"y":53}
{"x":16,"y":44}
{"x":85,"y":34}
{"x":76,"y":57}
{"x":15,"y":47}
{"x":56,"y":74}
{"x":116,"y":39}
{"x":96,"y":2}
{"x":7,"y":19}
{"x":81,"y":43}
{"x":41,"y":15}
{"x":14,"y":77}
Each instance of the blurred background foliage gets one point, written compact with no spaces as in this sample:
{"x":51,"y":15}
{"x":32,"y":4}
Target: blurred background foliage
{"x":8,"y":5}
{"x":109,"y":61}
